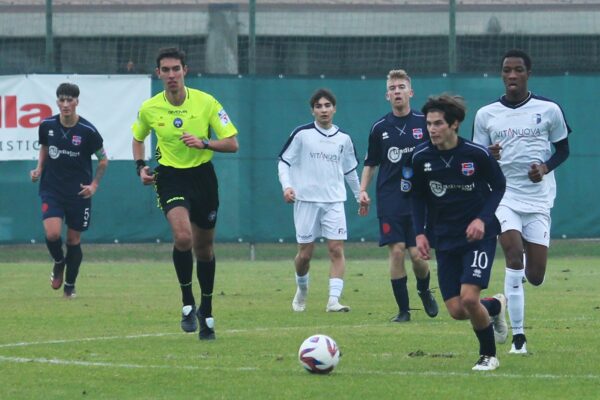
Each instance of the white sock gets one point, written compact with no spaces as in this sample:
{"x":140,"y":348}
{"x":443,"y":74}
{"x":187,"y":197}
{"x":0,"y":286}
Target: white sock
{"x":336,"y":285}
{"x":302,"y":283}
{"x":515,"y":298}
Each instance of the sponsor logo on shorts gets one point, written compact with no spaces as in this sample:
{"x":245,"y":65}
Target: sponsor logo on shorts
{"x":341,"y":231}
{"x":305,"y":237}
{"x":212,"y":216}
{"x":386,"y":228}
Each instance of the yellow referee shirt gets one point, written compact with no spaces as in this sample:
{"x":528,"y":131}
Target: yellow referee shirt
{"x":199,"y":112}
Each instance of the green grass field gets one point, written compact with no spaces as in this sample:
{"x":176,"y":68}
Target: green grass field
{"x":120,"y":339}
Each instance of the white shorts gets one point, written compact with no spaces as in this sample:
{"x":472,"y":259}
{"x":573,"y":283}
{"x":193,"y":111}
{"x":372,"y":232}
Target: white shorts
{"x":534,"y":227}
{"x":315,"y":220}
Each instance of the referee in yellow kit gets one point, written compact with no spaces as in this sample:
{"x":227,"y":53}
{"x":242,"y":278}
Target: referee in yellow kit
{"x":184,"y":120}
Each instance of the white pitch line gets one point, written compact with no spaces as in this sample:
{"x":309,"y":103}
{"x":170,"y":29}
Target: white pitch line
{"x":92,"y":339}
{"x":478,"y":375}
{"x":56,"y":361}
{"x":128,"y":337}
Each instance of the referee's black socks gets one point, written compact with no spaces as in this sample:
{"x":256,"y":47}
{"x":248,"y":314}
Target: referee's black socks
{"x":205,"y":271}
{"x":184,"y":267}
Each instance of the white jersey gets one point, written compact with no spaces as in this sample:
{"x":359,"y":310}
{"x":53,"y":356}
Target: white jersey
{"x":525,"y":132}
{"x":315,"y":161}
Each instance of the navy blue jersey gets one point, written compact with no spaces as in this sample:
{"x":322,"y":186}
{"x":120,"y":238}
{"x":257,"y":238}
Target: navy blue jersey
{"x":69,"y":162}
{"x":456,"y":186}
{"x":391,"y":143}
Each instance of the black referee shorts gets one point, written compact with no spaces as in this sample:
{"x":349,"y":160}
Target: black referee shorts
{"x":195,"y":188}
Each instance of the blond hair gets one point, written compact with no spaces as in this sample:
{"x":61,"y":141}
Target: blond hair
{"x":398,"y":74}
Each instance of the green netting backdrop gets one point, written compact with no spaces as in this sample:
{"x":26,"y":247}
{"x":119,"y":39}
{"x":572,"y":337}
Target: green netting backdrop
{"x":265,"y":111}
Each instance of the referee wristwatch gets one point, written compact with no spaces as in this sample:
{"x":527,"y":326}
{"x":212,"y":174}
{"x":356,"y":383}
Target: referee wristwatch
{"x":206,"y":143}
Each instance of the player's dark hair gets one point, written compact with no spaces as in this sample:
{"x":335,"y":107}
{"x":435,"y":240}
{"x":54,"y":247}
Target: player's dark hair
{"x":170,"y":52}
{"x":453,"y":107}
{"x":516,"y":53}
{"x":328,"y":94}
{"x":67,"y":89}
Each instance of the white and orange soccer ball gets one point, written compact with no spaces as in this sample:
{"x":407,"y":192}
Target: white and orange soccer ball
{"x":319,"y":354}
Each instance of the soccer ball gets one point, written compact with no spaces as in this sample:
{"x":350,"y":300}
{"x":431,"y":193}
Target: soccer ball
{"x":319,"y":354}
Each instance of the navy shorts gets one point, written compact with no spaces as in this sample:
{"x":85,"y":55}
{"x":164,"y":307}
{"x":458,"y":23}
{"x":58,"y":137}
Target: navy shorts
{"x":195,"y":188}
{"x":470,"y":264}
{"x":397,"y":230}
{"x":76,"y":211}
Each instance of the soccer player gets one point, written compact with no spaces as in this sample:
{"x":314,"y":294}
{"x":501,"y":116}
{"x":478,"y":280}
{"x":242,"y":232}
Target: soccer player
{"x":190,"y":126}
{"x":314,"y":162}
{"x":519,"y":129}
{"x":64,"y":169}
{"x":391,"y":143}
{"x":461,"y":184}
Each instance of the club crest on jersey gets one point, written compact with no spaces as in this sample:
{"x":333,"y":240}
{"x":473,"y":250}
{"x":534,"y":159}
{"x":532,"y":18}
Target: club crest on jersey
{"x":177,"y":122}
{"x":76,"y":140}
{"x":418,"y":133}
{"x":537,"y":118}
{"x":467,"y":168}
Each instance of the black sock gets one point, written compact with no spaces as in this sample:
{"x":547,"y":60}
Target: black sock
{"x":487,"y":346}
{"x":55,"y":249}
{"x":73,"y":260}
{"x":492,"y":305}
{"x":401,"y":293}
{"x":423,"y":284}
{"x":184,"y":267}
{"x":205,"y":270}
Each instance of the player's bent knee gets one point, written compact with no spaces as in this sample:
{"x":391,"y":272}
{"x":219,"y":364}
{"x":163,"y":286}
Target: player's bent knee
{"x":458,"y":314}
{"x":535,"y":280}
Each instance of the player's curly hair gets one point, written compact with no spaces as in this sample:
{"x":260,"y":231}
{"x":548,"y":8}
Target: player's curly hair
{"x":453,"y":107}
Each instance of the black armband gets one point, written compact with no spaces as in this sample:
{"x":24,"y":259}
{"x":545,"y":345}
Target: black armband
{"x":139,"y":164}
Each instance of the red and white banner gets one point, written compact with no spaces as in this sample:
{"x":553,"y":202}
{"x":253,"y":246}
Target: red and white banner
{"x":109,"y":102}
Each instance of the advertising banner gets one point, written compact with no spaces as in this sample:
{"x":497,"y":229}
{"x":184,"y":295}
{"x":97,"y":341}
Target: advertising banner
{"x":109,"y":102}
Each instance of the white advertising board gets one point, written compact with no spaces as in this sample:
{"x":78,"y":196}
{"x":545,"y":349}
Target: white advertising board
{"x":109,"y":102}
